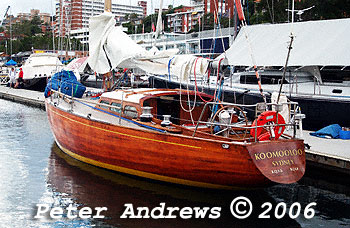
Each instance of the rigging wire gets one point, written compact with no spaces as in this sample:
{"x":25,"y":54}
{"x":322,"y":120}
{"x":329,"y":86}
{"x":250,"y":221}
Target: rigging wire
{"x":188,"y":66}
{"x":195,"y":82}
{"x":244,"y":23}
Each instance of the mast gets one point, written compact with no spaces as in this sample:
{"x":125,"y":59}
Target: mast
{"x":292,"y":11}
{"x":108,"y":6}
{"x":159,"y":21}
{"x":106,"y":86}
{"x":241,"y":17}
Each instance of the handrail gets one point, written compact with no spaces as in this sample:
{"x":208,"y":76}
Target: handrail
{"x":246,"y":106}
{"x":211,"y":123}
{"x":87,"y":101}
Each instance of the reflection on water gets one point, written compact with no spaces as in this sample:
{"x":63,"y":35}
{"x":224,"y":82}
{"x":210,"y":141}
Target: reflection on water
{"x":34,"y":170}
{"x":95,"y":187}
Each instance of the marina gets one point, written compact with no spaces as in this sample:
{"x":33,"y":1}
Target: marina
{"x":215,"y":114}
{"x":326,"y":153}
{"x":35,"y":171}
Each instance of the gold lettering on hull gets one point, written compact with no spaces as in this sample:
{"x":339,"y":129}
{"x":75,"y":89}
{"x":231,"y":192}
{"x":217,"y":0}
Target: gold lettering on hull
{"x":283,"y":162}
{"x":280,"y":159}
{"x":279,"y":154}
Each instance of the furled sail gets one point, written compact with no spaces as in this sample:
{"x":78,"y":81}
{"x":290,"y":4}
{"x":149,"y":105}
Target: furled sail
{"x":110,"y":47}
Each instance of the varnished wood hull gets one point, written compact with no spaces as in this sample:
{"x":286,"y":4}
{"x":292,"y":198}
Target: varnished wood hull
{"x":164,"y":157}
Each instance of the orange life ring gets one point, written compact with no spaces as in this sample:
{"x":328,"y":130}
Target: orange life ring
{"x":264,"y":118}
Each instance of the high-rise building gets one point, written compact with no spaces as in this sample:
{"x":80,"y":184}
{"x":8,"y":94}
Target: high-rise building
{"x":143,"y":4}
{"x":75,"y":14}
{"x":185,"y":18}
{"x":219,"y":7}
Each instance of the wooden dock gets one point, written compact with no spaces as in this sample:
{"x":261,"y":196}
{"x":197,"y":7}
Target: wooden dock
{"x":331,"y":154}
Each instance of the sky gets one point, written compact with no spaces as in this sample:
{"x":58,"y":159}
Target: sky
{"x":48,"y":6}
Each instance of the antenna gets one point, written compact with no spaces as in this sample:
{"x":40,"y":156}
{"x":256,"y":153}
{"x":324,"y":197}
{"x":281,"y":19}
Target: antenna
{"x":298,"y":12}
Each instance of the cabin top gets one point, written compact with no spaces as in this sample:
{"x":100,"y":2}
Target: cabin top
{"x":171,"y":102}
{"x":136,"y":95}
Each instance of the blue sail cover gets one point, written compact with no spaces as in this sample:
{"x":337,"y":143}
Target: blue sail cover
{"x":65,"y":82}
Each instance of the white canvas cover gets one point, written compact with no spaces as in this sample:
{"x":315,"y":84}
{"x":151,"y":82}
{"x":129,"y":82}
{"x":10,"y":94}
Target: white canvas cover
{"x":105,"y":39}
{"x":316,"y":43}
{"x":78,"y":64}
{"x":109,"y":43}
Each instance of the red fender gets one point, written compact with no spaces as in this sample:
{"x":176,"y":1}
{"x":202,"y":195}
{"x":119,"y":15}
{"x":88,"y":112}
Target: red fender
{"x":264,"y":118}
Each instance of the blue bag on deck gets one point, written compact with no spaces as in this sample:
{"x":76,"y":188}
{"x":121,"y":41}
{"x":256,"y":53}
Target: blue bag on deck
{"x":64,"y":75}
{"x":52,"y":84}
{"x":65,"y":82}
{"x":331,"y":130}
{"x":68,"y":87}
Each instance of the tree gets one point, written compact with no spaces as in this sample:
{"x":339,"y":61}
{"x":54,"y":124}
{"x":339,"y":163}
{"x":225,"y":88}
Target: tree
{"x":28,"y":35}
{"x":262,"y":11}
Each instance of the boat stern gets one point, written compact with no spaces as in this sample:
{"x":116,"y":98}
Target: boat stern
{"x":281,"y":161}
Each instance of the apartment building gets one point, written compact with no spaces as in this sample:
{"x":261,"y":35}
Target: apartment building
{"x":183,"y":19}
{"x":143,"y":4}
{"x":44,"y":17}
{"x":219,"y":7}
{"x":75,"y":14}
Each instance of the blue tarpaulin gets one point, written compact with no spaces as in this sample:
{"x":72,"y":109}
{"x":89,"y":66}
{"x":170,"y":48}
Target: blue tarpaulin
{"x":331,"y":131}
{"x":66,"y":82}
{"x":11,"y":62}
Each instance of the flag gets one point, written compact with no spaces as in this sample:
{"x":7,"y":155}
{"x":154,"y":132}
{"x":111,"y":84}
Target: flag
{"x":143,"y":28}
{"x":199,"y":22}
{"x":153,"y":28}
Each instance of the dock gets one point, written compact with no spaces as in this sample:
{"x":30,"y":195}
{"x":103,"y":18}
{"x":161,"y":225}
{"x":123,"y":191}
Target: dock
{"x":333,"y":154}
{"x":28,"y":97}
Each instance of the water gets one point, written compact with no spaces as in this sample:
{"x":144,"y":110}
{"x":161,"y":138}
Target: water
{"x":34,"y":171}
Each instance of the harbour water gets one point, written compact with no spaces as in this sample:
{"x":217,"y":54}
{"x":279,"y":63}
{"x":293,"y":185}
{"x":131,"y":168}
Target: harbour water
{"x":35,"y":171}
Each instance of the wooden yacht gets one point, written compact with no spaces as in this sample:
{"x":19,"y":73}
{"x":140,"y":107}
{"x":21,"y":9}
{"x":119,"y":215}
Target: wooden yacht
{"x":178,"y":136}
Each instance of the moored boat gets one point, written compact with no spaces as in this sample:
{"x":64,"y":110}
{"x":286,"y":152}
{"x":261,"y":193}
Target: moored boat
{"x":38,"y":68}
{"x":317,"y":71}
{"x":194,"y":145}
{"x":178,"y":136}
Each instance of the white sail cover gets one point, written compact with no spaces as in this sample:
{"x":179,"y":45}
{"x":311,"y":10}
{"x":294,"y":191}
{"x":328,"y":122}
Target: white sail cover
{"x":316,"y":43}
{"x":106,"y":41}
{"x":78,"y":64}
{"x":110,"y":47}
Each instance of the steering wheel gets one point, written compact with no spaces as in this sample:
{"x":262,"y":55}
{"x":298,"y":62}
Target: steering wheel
{"x":233,"y":119}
